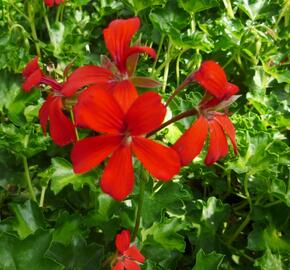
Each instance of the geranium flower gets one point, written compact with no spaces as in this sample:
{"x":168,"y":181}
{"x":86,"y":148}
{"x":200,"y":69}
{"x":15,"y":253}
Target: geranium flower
{"x":128,"y":257}
{"x":123,"y":135}
{"x":51,"y":3}
{"x":219,"y":94}
{"x":117,"y":76}
{"x":213,"y":79}
{"x":61,"y":128}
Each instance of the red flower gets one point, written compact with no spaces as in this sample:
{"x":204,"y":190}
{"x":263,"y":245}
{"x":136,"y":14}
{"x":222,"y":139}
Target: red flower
{"x":61,"y":128}
{"x":128,"y":257}
{"x":51,"y":3}
{"x":123,"y":135}
{"x":116,"y":77}
{"x":212,"y":77}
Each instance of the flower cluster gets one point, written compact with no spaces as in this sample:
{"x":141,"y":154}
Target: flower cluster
{"x":107,"y":102}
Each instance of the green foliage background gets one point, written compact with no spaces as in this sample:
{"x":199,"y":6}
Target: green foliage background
{"x":232,"y":215}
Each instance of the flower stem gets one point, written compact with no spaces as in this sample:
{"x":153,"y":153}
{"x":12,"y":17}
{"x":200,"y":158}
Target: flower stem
{"x":33,"y":29}
{"x":229,"y":8}
{"x":158,"y":53}
{"x":140,"y":202}
{"x":187,"y":113}
{"x":247,"y":219}
{"x":166,"y":69}
{"x":42,"y":196}
{"x":73,"y":120}
{"x":178,"y":89}
{"x":27,"y":178}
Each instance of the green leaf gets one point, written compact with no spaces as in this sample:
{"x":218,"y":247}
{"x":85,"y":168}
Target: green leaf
{"x":9,"y":89}
{"x":166,"y":235}
{"x":270,"y":237}
{"x":56,"y":33}
{"x":66,"y":228}
{"x":207,"y":219}
{"x":214,"y":213}
{"x":28,"y":218}
{"x":26,"y":254}
{"x":194,"y":6}
{"x":138,"y":5}
{"x":252,"y":10}
{"x":170,"y":19}
{"x":17,"y":107}
{"x":170,"y":197}
{"x":211,"y":261}
{"x":270,"y":261}
{"x":64,"y":175}
{"x":76,"y":255}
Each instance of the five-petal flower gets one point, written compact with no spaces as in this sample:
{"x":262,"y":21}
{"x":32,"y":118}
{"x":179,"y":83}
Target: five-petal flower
{"x":128,"y":257}
{"x":123,"y":134}
{"x":212,"y":77}
{"x":116,"y":76}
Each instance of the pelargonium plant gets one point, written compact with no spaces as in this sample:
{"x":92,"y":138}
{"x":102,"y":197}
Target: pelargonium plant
{"x":105,"y":99}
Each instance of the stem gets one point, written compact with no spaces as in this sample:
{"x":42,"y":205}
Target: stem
{"x":42,"y":196}
{"x":239,"y":230}
{"x":166,"y":69}
{"x":27,"y":178}
{"x":247,"y":219}
{"x":178,"y":89}
{"x":187,"y":113}
{"x":236,"y":250}
{"x":192,"y":23}
{"x":20,"y":11}
{"x":58,"y":13}
{"x":246,"y":182}
{"x":73,"y":120}
{"x":158,"y":53}
{"x":140,"y":203}
{"x":229,"y":9}
{"x":33,"y":29}
{"x":177,"y":66}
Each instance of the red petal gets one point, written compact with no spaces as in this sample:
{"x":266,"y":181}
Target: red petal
{"x":142,"y":49}
{"x":118,"y":176}
{"x":31,"y":67}
{"x":229,"y":128}
{"x":119,"y":265}
{"x":85,"y":76}
{"x":218,"y":145}
{"x":161,"y":161}
{"x":49,"y":3}
{"x":134,"y":254}
{"x":118,"y":36}
{"x":212,"y":77}
{"x":32,"y":80}
{"x":231,"y":89}
{"x":44,"y":113}
{"x":88,"y":153}
{"x":61,"y":128}
{"x":130,"y":265}
{"x":125,"y":93}
{"x":122,"y":241}
{"x":190,"y":144}
{"x":98,"y":110}
{"x":146,"y":114}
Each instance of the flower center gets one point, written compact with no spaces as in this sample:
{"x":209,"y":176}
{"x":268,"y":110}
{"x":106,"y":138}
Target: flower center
{"x":127,"y":139}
